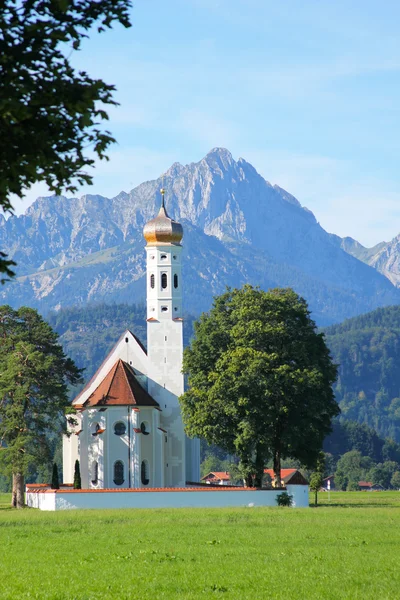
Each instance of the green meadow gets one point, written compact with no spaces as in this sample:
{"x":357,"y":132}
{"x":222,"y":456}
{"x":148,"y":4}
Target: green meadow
{"x":349,"y":547}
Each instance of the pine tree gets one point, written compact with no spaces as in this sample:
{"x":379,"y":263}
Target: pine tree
{"x":77,"y":476}
{"x":34,"y":378}
{"x":55,"y":482}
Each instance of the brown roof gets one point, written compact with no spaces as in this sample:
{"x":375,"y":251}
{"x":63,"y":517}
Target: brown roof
{"x":120,"y":387}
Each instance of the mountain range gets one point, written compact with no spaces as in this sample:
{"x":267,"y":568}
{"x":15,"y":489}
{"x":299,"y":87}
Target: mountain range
{"x":237,"y":228}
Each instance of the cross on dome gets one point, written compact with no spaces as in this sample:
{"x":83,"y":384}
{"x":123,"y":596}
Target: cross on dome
{"x":162,"y":229}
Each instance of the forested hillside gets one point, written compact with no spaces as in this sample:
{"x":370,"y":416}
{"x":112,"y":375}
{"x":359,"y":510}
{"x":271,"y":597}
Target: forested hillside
{"x":367,"y":349}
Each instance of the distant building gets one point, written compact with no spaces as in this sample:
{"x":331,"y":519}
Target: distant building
{"x":368,"y":486}
{"x":288,"y":477}
{"x":329,"y":483}
{"x":217,"y":478}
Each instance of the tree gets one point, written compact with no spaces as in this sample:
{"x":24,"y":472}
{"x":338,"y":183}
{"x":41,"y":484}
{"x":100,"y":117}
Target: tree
{"x":395,"y":481}
{"x":317,"y":477}
{"x":260,"y":380}
{"x":382,"y":473}
{"x":351,"y":468}
{"x":55,"y":482}
{"x":77,"y":476}
{"x":34,"y":378}
{"x":50,"y":112}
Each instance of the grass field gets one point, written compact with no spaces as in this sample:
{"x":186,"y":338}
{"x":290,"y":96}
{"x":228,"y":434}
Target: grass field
{"x":349,"y":548}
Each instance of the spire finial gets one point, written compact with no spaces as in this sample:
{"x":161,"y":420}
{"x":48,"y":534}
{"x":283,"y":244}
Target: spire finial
{"x":162,"y":192}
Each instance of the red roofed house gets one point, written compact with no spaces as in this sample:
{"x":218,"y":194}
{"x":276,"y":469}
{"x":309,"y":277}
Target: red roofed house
{"x":217,"y":478}
{"x":288,"y":476}
{"x":129,"y":430}
{"x":368,"y":486}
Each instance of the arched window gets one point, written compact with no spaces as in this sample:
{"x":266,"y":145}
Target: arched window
{"x":118,"y":472}
{"x":152,"y":281}
{"x":119,"y":428}
{"x":164,"y":280}
{"x":175,"y":281}
{"x":163,"y":257}
{"x":144,"y":472}
{"x":145,"y":428}
{"x":95,"y":472}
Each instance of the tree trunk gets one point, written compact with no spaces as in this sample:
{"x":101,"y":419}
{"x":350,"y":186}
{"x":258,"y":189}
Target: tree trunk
{"x":248,"y":481}
{"x":18,"y":491}
{"x":277,"y":468}
{"x":259,"y":467}
{"x":316,"y":498}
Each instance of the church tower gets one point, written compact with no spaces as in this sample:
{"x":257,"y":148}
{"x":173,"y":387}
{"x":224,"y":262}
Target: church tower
{"x":165,"y":343}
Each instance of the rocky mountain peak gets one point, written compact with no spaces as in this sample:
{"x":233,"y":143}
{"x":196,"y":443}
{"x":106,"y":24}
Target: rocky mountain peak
{"x":238,"y":228}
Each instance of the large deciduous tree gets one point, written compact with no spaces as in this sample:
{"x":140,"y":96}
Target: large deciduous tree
{"x":260,"y":380}
{"x":50,"y":112}
{"x":34,"y":378}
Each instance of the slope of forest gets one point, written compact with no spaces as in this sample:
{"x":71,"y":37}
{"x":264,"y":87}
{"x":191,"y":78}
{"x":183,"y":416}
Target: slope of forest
{"x":367,"y":349}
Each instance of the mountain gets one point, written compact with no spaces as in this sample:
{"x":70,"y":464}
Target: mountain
{"x":384,"y":257}
{"x":238,"y":228}
{"x":367,"y":349}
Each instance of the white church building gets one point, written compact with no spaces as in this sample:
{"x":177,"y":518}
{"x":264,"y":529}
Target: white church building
{"x":129,"y":431}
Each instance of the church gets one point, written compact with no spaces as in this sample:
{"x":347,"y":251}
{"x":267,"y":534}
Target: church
{"x":128,"y":430}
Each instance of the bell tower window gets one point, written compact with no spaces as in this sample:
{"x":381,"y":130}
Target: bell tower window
{"x":152,"y":281}
{"x":164,"y":281}
{"x":175,"y":281}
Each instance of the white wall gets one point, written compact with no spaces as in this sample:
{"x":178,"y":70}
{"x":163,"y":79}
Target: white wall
{"x":189,"y":498}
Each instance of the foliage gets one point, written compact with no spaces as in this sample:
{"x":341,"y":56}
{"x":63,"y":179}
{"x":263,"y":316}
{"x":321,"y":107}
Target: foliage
{"x":317,"y":477}
{"x":55,"y":482}
{"x":395,"y":481}
{"x":77,"y":476}
{"x":352,"y":467}
{"x":34,"y":377}
{"x":367,"y":348}
{"x":50,"y":112}
{"x":259,"y":380}
{"x":284,"y":499}
{"x":212,"y":463}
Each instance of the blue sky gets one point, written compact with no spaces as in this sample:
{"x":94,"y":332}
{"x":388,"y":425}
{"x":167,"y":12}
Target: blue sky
{"x":307,"y":91}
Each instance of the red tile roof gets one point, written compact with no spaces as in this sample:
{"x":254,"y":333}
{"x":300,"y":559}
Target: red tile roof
{"x":365,"y":483}
{"x":285,"y":473}
{"x":78,"y":405}
{"x":222,"y":475}
{"x":204,"y":488}
{"x":120,"y":387}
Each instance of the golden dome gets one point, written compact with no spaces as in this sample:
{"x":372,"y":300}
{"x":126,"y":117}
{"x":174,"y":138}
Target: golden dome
{"x":162,"y":229}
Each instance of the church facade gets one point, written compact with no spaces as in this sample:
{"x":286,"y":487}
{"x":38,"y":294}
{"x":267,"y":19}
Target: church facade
{"x":129,"y":431}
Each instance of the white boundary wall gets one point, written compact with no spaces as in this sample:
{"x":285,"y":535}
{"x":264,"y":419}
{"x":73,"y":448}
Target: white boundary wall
{"x":189,"y":498}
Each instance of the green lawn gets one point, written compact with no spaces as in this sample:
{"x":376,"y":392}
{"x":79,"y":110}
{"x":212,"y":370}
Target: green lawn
{"x":348,"y":549}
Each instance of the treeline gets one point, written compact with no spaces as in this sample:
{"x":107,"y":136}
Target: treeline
{"x":367,"y":350}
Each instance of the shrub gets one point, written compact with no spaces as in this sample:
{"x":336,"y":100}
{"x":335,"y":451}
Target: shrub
{"x":77,"y":476}
{"x":284,"y":499}
{"x":55,"y":482}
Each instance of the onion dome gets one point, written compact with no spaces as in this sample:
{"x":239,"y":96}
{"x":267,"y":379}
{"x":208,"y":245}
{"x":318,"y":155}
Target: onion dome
{"x":162,"y":229}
